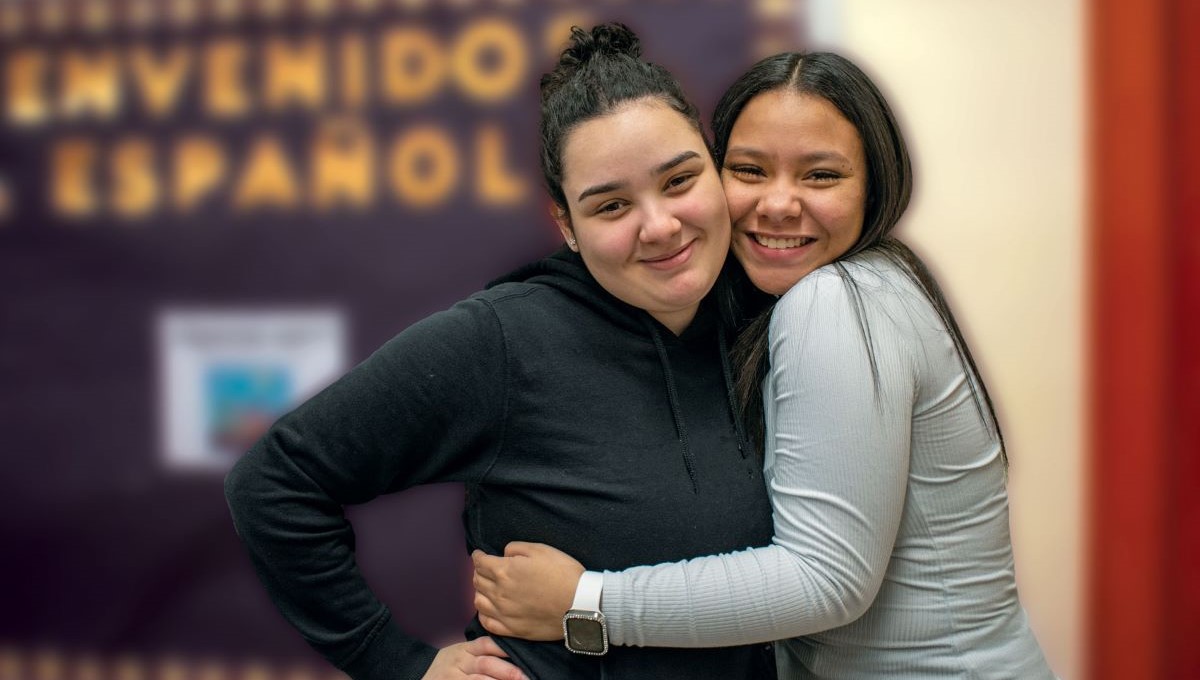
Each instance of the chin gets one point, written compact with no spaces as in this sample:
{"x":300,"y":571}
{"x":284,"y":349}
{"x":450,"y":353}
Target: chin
{"x":773,"y":283}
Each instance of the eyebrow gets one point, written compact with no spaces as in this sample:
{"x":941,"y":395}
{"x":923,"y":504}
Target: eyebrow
{"x":658,"y":169}
{"x":663,"y":167}
{"x":812,"y":157}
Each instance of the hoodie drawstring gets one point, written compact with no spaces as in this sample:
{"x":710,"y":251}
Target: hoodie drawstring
{"x":676,"y":411}
{"x":738,"y":429}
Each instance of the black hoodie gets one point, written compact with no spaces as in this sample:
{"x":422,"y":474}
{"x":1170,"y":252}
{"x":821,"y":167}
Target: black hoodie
{"x":574,"y":419}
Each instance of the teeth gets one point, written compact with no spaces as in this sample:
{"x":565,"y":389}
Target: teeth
{"x":781,"y":243}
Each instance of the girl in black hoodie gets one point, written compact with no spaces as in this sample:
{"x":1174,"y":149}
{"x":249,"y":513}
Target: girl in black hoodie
{"x":585,"y":400}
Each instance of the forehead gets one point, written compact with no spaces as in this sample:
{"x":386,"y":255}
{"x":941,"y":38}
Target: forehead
{"x":627,"y":142}
{"x":785,"y":120}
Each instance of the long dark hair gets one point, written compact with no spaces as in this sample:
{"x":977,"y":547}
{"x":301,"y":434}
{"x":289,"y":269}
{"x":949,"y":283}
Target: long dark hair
{"x":889,"y":187}
{"x":599,"y":70}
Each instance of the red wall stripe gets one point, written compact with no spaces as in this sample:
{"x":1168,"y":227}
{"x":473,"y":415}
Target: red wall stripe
{"x":1129,"y":336}
{"x":1183,"y":581}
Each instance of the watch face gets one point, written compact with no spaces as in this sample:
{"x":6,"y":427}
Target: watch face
{"x":585,"y":632}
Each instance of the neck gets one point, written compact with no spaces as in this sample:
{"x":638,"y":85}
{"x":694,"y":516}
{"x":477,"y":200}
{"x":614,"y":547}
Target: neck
{"x":677,"y":320}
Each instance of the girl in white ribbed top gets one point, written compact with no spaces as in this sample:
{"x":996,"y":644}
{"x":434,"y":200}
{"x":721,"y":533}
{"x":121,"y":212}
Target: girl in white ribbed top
{"x":891,"y":556}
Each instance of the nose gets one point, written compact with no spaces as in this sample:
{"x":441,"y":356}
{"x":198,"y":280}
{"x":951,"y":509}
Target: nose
{"x":660,"y":224}
{"x":779,"y":202}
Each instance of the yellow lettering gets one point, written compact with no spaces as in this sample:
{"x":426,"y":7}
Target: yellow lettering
{"x":160,"y":81}
{"x":343,"y":164}
{"x":489,"y":60}
{"x":73,"y":192}
{"x":354,"y":71}
{"x":90,"y":83}
{"x":225,"y":93}
{"x":494,"y":184}
{"x":267,"y":178}
{"x":295,"y":73}
{"x":424,"y":166}
{"x":413,"y":65}
{"x":135,"y":183}
{"x":26,"y":71}
{"x":199,"y":166}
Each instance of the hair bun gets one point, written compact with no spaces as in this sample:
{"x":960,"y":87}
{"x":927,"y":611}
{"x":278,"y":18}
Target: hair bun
{"x":605,"y":40}
{"x":609,"y":39}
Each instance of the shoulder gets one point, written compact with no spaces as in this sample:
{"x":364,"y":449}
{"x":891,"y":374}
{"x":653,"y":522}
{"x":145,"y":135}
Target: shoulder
{"x":526,"y":297}
{"x":870,"y":276}
{"x":471,"y":327}
{"x":488,"y":308}
{"x":512,"y":293}
{"x":868,"y":289}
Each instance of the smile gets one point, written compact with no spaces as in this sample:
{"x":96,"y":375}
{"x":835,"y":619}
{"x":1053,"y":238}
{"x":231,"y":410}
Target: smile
{"x":781,"y":243}
{"x":671,"y":259}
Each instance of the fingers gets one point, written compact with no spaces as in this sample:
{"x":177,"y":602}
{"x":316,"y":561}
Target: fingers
{"x":484,"y":605}
{"x":483,"y":582}
{"x":486,"y":595}
{"x":486,"y":565}
{"x":488,"y":662}
{"x":520,"y":548}
{"x":495,"y":667}
{"x":485,"y":645}
{"x":495,"y":626}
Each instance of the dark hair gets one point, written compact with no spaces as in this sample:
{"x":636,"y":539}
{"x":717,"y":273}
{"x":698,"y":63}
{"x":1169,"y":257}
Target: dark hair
{"x":599,"y":71}
{"x":889,"y":187}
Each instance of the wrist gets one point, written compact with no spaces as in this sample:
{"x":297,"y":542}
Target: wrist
{"x":584,"y":628}
{"x":589,"y":591}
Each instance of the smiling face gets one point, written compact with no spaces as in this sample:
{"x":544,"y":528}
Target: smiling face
{"x":795,"y":176}
{"x":646,"y":210}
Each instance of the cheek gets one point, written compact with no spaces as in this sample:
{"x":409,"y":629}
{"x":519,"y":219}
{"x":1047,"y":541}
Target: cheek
{"x":742,"y":201}
{"x":706,"y":209}
{"x":857,"y":211}
{"x":853,"y":224}
{"x":600,"y":246}
{"x":842,"y":217}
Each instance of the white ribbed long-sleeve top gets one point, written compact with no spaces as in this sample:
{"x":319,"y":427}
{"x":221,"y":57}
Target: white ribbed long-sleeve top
{"x":891,"y":556}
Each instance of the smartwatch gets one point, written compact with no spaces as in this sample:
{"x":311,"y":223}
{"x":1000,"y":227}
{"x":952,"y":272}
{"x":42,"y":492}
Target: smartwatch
{"x":584,"y":628}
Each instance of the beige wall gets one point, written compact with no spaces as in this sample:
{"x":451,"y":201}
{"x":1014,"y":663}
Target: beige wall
{"x":991,"y":98}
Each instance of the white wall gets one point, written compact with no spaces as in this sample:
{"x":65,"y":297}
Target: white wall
{"x":991,"y":98}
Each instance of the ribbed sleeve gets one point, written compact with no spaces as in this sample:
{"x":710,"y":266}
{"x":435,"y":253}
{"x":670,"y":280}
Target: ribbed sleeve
{"x":891,"y":556}
{"x":837,"y":467}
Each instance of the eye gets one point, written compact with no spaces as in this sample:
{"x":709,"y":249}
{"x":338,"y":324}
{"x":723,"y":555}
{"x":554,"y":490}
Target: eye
{"x":610,"y":208}
{"x":824,"y":176}
{"x":745,"y":171}
{"x":680,"y":181}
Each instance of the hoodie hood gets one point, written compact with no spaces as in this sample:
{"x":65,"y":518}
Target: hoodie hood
{"x":565,"y":271}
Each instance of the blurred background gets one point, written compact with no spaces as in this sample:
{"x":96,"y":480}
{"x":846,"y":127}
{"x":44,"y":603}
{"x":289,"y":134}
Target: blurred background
{"x":211,"y":208}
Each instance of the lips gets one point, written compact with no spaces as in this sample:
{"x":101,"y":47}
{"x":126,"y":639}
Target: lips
{"x":778,"y":243}
{"x":672,"y":259}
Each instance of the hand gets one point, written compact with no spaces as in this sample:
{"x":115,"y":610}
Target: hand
{"x":479,"y":659}
{"x":525,"y":593}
